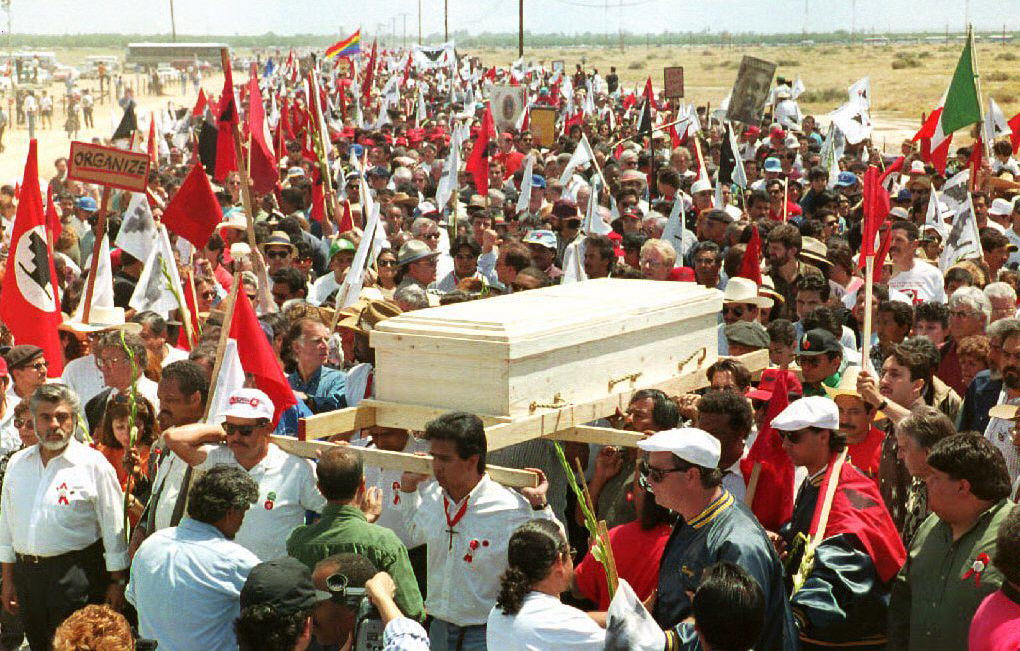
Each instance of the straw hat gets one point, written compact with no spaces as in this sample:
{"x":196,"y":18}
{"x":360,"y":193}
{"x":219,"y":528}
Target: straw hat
{"x":104,"y":318}
{"x":813,"y":251}
{"x":744,"y":290}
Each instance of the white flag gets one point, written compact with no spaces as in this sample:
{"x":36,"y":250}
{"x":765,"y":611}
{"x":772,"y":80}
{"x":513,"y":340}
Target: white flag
{"x":448,"y":181}
{"x":137,"y":234}
{"x":933,"y":216}
{"x":853,"y":120}
{"x":593,"y":222}
{"x":231,"y":377}
{"x":861,"y":91}
{"x":995,"y":122}
{"x":798,"y":89}
{"x":159,"y":280}
{"x":582,"y":155}
{"x":955,"y":192}
{"x":102,"y":290}
{"x":674,"y":232}
{"x":349,"y":292}
{"x":964,"y":241}
{"x":573,"y":262}
{"x":525,"y":198}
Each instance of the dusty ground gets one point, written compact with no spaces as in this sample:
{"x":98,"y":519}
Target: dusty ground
{"x":900,"y":94}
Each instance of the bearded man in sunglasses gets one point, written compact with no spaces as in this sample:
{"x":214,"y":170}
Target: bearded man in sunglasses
{"x":287,"y":486}
{"x":681,"y":469}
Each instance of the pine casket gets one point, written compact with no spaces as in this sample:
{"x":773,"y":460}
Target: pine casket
{"x":581,"y":341}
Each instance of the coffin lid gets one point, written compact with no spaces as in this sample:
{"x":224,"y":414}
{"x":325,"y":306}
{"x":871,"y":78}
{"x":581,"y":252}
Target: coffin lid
{"x":562,"y":309}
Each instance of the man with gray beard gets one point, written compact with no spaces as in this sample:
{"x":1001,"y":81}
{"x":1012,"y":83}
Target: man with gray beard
{"x":1000,"y":430}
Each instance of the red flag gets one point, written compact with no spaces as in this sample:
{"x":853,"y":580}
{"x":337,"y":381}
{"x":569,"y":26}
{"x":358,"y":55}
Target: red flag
{"x":52,"y":219}
{"x":773,"y":498}
{"x":258,"y":358}
{"x":876,"y":207}
{"x":153,"y":149}
{"x":895,"y":167}
{"x":750,"y":266}
{"x":649,"y":94}
{"x":226,"y":117}
{"x":192,"y":302}
{"x":264,"y":172}
{"x":366,"y":89}
{"x":285,"y":121}
{"x":200,"y":104}
{"x":28,"y":302}
{"x":478,"y":161}
{"x":318,"y":212}
{"x":1014,"y":132}
{"x":858,"y":509}
{"x":407,"y":69}
{"x":938,"y":156}
{"x":977,"y":151}
{"x":347,"y":220}
{"x":526,"y":122}
{"x":194,"y":212}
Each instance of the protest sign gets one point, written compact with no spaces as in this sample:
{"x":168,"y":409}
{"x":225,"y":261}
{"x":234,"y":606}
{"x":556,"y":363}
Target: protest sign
{"x":750,"y":90}
{"x":507,"y":104}
{"x":673,"y":81}
{"x":109,"y":166}
{"x":543,"y":125}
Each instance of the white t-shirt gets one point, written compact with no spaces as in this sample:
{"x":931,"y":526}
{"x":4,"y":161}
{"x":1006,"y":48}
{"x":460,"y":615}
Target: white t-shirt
{"x":543,"y":623}
{"x":922,"y":283}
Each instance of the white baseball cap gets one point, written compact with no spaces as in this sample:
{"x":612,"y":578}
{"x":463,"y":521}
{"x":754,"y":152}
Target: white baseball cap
{"x":1001,"y":207}
{"x":701,"y":185}
{"x":813,"y":411}
{"x":249,"y":403}
{"x":689,"y":443}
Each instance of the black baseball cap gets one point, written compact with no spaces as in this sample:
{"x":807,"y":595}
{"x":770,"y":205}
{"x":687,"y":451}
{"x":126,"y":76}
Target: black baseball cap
{"x":285,"y":584}
{"x":818,"y":341}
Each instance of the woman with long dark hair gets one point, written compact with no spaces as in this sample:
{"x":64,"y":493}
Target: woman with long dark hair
{"x":528,"y":615}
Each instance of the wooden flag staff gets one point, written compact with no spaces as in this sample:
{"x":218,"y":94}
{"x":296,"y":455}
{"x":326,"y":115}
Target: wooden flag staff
{"x":94,"y":265}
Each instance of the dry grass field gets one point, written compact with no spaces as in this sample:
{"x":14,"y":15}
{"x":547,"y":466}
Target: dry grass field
{"x":906,"y":80}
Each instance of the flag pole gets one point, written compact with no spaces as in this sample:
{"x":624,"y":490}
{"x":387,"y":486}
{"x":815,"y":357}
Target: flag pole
{"x":869,"y":297}
{"x":221,"y":344}
{"x":93,"y":267}
{"x":977,"y":87}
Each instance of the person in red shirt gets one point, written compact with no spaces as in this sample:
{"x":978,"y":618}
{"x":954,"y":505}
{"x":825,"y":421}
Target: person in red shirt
{"x":637,"y":547}
{"x":996,"y":623}
{"x":508,"y":155}
{"x":856,"y":421}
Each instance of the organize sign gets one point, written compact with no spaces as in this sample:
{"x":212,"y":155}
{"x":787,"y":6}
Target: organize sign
{"x":108,"y":166}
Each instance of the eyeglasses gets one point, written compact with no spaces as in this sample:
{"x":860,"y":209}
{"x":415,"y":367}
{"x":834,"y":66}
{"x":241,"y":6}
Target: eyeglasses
{"x":241,"y":430}
{"x":24,"y":422}
{"x":657,"y":474}
{"x":40,"y":365}
{"x":792,"y":437}
{"x":209,"y":295}
{"x":106,"y":362}
{"x":277,"y":254}
{"x":431,"y":236}
{"x":735,"y":310}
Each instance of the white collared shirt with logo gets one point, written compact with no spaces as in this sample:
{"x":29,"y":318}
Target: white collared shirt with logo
{"x":64,"y":506}
{"x":463,"y":580}
{"x":286,"y":490}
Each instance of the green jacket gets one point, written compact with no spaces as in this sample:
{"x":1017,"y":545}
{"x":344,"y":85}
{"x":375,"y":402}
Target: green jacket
{"x":343,"y":529}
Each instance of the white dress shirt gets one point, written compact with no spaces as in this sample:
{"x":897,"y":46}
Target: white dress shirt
{"x":84,"y":377}
{"x":1000,"y":432}
{"x":389,"y":482}
{"x":62,"y":507}
{"x":543,"y":623}
{"x":463,"y":576}
{"x":186,"y":583}
{"x":166,"y":486}
{"x":172,"y":354}
{"x":286,"y":490}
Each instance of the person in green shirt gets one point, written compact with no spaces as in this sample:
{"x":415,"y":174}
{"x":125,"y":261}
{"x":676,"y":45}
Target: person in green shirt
{"x":344,"y":528}
{"x":819,"y":356}
{"x":948,"y":570}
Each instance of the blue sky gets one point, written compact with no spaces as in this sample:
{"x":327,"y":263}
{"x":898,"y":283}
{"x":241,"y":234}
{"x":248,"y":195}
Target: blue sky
{"x":570,"y":16}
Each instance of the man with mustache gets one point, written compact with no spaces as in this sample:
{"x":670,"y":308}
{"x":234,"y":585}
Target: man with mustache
{"x":999,"y":430}
{"x":915,"y":278}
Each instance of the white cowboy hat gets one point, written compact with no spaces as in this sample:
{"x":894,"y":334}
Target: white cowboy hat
{"x":104,"y":318}
{"x":744,"y":290}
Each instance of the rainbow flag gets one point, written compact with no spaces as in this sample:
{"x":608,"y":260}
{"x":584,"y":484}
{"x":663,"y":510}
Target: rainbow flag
{"x":345,"y":48}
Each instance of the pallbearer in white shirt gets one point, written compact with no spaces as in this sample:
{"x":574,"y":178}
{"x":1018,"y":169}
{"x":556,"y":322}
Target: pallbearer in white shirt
{"x":464,"y":518}
{"x":528,"y":615}
{"x":286,"y":482}
{"x":61,"y":507}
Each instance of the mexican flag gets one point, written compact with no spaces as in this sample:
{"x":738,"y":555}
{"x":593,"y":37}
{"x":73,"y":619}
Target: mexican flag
{"x":962,"y":105}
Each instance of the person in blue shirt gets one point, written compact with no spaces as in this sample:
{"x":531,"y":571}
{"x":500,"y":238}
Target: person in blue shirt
{"x":322,"y":388}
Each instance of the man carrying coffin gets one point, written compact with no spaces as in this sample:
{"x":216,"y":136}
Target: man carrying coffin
{"x":840,"y":592}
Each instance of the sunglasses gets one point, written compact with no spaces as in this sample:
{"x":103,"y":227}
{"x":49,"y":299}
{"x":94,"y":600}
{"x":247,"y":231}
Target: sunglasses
{"x":735,"y":310}
{"x":657,"y":474}
{"x":277,"y":254}
{"x":386,"y":263}
{"x":241,"y":430}
{"x":431,"y":236}
{"x":40,"y":365}
{"x":792,"y":437}
{"x":211,"y":294}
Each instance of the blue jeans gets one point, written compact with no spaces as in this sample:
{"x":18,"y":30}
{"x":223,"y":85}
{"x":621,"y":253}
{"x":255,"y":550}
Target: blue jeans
{"x":444,"y":636}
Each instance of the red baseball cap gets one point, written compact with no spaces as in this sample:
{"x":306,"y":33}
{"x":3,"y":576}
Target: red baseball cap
{"x":767,"y":385}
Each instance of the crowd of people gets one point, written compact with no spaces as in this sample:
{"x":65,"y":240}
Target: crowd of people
{"x":855,"y":493}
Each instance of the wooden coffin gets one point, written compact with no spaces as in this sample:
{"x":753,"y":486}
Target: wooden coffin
{"x":511,"y":355}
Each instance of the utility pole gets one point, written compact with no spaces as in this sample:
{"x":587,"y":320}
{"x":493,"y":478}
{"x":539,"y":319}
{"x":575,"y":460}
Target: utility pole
{"x":419,"y":22}
{"x":405,"y":15}
{"x":173,"y":23}
{"x":853,"y":20}
{"x":446,"y":21}
{"x":520,"y":28}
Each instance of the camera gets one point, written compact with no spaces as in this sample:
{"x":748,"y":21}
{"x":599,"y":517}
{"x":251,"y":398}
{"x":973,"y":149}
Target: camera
{"x":368,"y":626}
